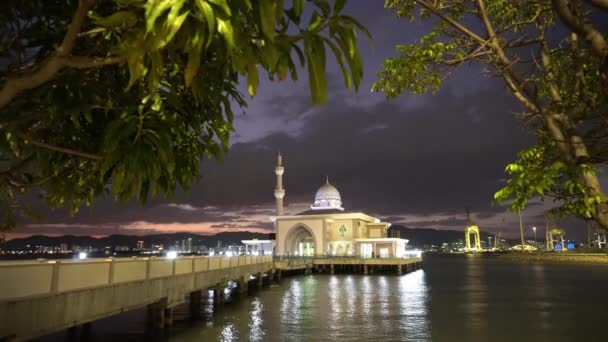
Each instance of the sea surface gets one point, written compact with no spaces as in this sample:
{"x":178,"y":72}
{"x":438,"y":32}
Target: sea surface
{"x":454,"y":298}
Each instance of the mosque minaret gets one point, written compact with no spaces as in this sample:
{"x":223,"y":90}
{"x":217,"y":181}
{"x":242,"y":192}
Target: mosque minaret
{"x":279,"y":192}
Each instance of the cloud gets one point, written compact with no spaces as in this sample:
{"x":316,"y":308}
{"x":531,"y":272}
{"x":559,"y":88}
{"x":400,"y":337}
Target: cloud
{"x":186,"y":207}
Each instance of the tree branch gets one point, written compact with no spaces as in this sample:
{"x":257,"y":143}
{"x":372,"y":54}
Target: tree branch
{"x":505,"y":63}
{"x":53,"y":64}
{"x":451,"y":21}
{"x":83,"y":62}
{"x":601,"y":4}
{"x":58,"y":148}
{"x":581,"y":26}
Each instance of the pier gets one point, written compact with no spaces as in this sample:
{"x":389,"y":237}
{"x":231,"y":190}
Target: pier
{"x":46,"y":296}
{"x":40,"y":297}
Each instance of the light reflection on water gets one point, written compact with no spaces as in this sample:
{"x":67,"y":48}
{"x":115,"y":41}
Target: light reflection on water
{"x":413,"y":307}
{"x":452,"y":299}
{"x":256,"y":333}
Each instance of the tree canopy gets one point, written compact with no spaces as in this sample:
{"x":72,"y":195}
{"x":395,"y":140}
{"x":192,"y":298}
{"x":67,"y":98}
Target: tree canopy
{"x":553,"y":58}
{"x":128,"y":97}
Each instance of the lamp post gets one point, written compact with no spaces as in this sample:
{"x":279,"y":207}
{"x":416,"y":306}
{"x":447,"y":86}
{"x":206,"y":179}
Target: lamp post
{"x":535,"y":244}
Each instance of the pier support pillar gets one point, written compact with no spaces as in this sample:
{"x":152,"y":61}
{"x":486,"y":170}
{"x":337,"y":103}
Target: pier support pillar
{"x":195,"y":304}
{"x":168,"y":313}
{"x":277,"y":275}
{"x":364,"y":269}
{"x":331,"y":269}
{"x":399,"y":270}
{"x":218,"y":297}
{"x":72,"y":333}
{"x":242,"y":284}
{"x":85,"y":333}
{"x":259,"y":280}
{"x":155,"y":318}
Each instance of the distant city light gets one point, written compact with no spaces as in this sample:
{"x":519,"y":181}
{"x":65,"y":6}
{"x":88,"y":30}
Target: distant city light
{"x":229,"y":254}
{"x":212,"y":253}
{"x":171,"y":255}
{"x":414,"y":253}
{"x":82,"y":255}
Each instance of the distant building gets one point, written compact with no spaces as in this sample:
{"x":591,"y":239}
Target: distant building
{"x":259,"y":247}
{"x":140,"y":245}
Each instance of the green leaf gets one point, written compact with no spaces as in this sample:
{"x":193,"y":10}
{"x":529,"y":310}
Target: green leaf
{"x":338,"y":6}
{"x":324,"y":6}
{"x":340,"y":59}
{"x":209,"y":15}
{"x":283,"y":67}
{"x":154,"y":8}
{"x":270,"y":55}
{"x":315,"y":55}
{"x":299,"y":53}
{"x":298,"y":7}
{"x":252,"y":79}
{"x":226,"y":30}
{"x":279,"y":10}
{"x":194,"y":62}
{"x":359,"y":26}
{"x":315,"y":22}
{"x":267,"y":17}
{"x":223,"y":4}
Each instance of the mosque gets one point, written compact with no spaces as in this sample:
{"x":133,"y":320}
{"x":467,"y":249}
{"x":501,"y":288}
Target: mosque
{"x":327,"y":229}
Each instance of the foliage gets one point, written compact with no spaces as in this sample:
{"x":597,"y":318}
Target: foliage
{"x":130,"y":96}
{"x":539,"y":172}
{"x":560,"y":77}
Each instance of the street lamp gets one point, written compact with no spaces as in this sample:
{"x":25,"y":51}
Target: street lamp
{"x":535,"y":244}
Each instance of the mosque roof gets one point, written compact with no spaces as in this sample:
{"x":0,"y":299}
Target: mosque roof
{"x":322,"y":211}
{"x":327,"y":197}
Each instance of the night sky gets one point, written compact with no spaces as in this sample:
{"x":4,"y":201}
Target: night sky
{"x":416,"y":160}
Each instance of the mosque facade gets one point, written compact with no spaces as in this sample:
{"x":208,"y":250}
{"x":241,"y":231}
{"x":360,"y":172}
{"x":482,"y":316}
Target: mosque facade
{"x":327,"y":229}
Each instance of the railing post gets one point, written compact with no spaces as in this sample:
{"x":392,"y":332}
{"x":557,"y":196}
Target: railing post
{"x":55,"y":278}
{"x":111,"y":272}
{"x":148,"y":268}
{"x":174,"y":261}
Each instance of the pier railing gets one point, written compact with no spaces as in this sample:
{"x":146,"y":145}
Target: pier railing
{"x":48,"y":277}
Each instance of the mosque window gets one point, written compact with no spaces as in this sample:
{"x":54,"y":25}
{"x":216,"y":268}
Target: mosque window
{"x":342,"y":230}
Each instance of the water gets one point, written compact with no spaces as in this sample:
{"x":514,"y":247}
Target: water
{"x":452,"y":299}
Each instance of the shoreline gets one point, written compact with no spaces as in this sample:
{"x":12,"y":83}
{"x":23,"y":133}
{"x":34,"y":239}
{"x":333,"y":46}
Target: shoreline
{"x":587,"y":258}
{"x":572,"y":258}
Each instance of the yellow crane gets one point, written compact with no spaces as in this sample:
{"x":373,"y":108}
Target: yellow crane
{"x":471,"y":228}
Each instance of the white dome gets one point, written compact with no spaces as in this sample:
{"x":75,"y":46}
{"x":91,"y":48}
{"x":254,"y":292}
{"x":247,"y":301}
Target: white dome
{"x":327,"y":197}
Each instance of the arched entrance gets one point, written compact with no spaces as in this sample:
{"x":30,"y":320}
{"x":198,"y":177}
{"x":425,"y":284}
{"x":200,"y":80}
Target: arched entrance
{"x":340,"y":250}
{"x":300,"y":240}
